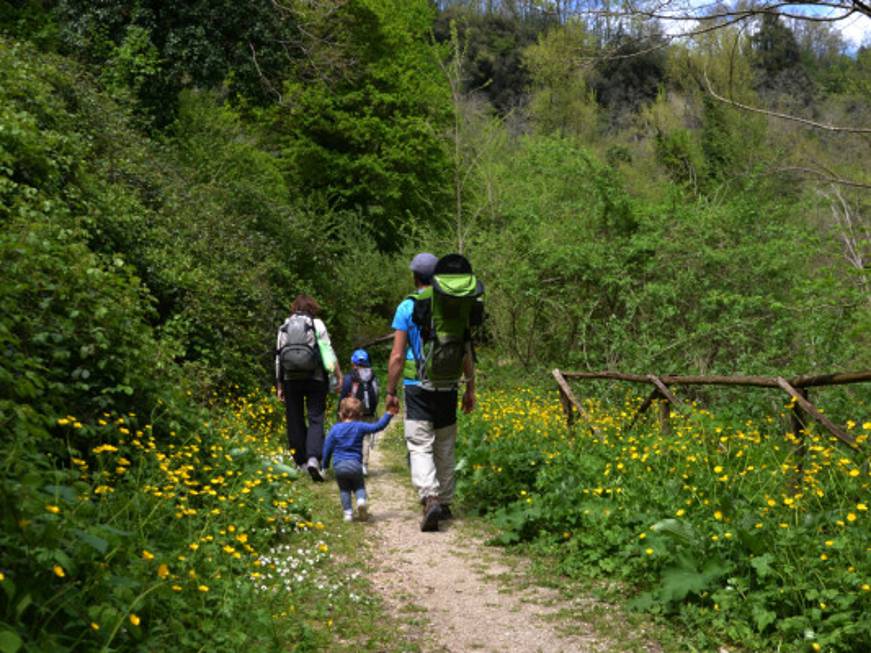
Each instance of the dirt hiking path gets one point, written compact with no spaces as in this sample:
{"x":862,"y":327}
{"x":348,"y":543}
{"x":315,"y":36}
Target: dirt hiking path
{"x":445,"y":587}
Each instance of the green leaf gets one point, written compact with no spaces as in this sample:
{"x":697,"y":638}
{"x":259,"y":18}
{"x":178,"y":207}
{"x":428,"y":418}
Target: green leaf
{"x":10,"y":642}
{"x":8,"y":588}
{"x":643,"y":602}
{"x":22,"y":605}
{"x":762,"y":564}
{"x":677,"y":530}
{"x":94,"y":541}
{"x":678,"y":582}
{"x":684,"y":579}
{"x":64,"y":491}
{"x":63,"y":559}
{"x":763,"y":617}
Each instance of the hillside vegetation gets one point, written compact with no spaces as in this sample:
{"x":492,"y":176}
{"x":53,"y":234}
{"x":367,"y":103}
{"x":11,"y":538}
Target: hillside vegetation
{"x":171,"y":176}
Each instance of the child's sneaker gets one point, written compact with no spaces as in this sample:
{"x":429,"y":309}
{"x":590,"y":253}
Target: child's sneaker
{"x":348,"y":515}
{"x":362,"y":511}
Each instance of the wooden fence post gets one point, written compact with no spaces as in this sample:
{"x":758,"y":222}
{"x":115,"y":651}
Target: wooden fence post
{"x":566,"y":391}
{"x":798,"y":423}
{"x":812,"y":411}
{"x":665,"y":416}
{"x":568,"y":409}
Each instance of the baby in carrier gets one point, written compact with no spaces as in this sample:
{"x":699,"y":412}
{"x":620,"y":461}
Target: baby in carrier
{"x":362,"y":384}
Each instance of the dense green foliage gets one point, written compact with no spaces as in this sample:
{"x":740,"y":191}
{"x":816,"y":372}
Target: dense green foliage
{"x":172,"y":176}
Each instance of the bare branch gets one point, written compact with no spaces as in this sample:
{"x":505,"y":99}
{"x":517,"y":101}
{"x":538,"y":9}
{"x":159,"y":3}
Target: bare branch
{"x":822,"y":176}
{"x":783,"y":116}
{"x":669,"y":10}
{"x":263,"y":77}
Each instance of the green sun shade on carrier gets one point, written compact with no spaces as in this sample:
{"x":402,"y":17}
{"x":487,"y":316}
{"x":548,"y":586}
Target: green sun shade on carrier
{"x":457,"y":285}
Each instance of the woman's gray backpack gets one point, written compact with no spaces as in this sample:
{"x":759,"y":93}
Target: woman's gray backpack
{"x":299,"y":356}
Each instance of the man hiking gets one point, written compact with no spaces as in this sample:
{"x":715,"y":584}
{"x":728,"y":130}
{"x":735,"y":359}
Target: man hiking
{"x":432,"y":354}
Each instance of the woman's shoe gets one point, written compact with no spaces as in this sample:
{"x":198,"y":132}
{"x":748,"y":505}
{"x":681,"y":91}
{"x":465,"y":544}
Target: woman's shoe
{"x":314,"y":470}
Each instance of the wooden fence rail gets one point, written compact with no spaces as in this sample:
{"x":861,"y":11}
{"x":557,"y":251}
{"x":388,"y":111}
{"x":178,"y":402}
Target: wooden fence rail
{"x":796,"y":388}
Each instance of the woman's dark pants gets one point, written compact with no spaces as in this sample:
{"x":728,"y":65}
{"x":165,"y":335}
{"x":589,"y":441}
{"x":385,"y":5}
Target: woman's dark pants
{"x":305,"y":402}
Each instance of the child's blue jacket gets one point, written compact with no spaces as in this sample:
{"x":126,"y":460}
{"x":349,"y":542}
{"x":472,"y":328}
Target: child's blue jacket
{"x":345,"y":440}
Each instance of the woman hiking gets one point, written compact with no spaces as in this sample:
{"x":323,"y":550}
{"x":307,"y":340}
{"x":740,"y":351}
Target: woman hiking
{"x":302,"y":382}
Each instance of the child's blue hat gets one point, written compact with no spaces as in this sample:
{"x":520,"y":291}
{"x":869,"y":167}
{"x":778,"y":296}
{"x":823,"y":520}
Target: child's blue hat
{"x":360,"y":357}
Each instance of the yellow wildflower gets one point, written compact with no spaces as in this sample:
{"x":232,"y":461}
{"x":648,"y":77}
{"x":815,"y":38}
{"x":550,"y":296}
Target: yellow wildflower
{"x":134,"y":619}
{"x":58,"y":571}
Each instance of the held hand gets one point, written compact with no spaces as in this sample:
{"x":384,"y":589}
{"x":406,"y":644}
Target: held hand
{"x":280,"y":392}
{"x":391,"y":405}
{"x":468,"y":403}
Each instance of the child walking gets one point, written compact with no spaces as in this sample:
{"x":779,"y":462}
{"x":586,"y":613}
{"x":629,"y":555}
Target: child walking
{"x":344,"y":446}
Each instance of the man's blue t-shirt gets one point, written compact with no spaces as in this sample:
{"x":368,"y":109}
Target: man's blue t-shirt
{"x":402,"y":321}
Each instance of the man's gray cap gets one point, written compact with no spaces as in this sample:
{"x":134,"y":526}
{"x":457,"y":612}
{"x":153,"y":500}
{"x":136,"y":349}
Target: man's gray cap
{"x":424,"y":264}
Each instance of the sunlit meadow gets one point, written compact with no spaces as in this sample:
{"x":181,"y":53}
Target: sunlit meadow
{"x":719,"y":524}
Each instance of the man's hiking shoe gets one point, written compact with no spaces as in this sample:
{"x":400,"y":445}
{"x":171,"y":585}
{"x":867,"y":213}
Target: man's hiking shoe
{"x":362,"y":511}
{"x":432,"y":512}
{"x":314,"y":470}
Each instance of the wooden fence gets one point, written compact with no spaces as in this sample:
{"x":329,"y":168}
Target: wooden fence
{"x":797,"y":388}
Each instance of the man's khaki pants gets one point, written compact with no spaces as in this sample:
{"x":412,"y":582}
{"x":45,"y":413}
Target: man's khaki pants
{"x":432,"y":458}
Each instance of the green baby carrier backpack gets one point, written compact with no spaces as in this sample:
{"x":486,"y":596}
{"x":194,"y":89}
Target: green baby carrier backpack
{"x":446,"y":313}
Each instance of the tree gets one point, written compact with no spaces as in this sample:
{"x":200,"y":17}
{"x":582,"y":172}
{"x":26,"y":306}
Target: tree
{"x":778,"y":60}
{"x":562,"y":99}
{"x":368,"y":136}
{"x":493,"y":65}
{"x":249,"y":47}
{"x":631,"y":74}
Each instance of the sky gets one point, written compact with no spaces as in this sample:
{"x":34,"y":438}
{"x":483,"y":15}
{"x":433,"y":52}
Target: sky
{"x":856,"y":29}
